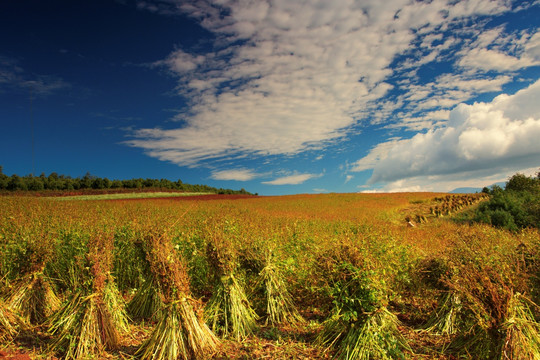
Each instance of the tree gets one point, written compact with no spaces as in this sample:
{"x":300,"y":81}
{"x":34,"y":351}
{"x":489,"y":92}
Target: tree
{"x":4,"y":179}
{"x":16,"y":183}
{"x":35,"y":184}
{"x":521,"y":182}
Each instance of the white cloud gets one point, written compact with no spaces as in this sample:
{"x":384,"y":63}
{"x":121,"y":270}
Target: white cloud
{"x":375,"y":155}
{"x":320,"y":190}
{"x":490,"y":52}
{"x":181,"y":62}
{"x":481,"y":137}
{"x":235,"y":174}
{"x":445,"y":183}
{"x":292,"y":179}
{"x":293,"y":76}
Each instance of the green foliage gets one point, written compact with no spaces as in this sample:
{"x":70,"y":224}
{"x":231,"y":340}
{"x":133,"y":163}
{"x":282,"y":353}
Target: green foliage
{"x":88,"y":181}
{"x":361,"y":326}
{"x":520,"y":182}
{"x":515,"y":207}
{"x":355,"y":293}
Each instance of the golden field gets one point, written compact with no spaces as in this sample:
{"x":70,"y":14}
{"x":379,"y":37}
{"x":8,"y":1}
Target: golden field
{"x":349,"y":276}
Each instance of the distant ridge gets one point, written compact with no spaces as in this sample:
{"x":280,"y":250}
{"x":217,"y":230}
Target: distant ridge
{"x":471,"y":190}
{"x":465,"y":190}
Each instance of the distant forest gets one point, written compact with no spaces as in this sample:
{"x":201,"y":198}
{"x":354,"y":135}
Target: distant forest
{"x":88,"y":181}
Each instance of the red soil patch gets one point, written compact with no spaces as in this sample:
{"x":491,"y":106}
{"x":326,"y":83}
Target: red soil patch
{"x":194,"y":197}
{"x":14,"y":356}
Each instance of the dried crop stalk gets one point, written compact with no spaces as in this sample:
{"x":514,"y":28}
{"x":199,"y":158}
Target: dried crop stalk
{"x":180,"y":332}
{"x":279,"y":304}
{"x":33,"y":298}
{"x":10,"y":322}
{"x":522,"y":337}
{"x":94,"y":317}
{"x":228,"y":310}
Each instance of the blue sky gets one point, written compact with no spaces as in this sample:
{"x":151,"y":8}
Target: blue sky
{"x":277,"y":97}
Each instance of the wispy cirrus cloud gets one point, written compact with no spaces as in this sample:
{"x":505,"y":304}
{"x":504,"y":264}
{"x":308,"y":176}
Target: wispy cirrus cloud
{"x":286,"y":77}
{"x":14,"y":78}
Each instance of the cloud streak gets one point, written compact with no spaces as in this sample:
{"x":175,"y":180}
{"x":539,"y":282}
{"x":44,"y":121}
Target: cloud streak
{"x":235,"y":174}
{"x":292,"y":179}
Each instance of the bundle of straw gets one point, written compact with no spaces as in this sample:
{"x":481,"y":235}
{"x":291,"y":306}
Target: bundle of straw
{"x":522,"y":338}
{"x":93,"y":318}
{"x":446,"y":317}
{"x":33,"y":298}
{"x":84,"y":327}
{"x":279,"y":304}
{"x":374,"y":335}
{"x":228,"y":310}
{"x":10,"y":323}
{"x":146,"y":303}
{"x":362,"y":327}
{"x":180,"y":333}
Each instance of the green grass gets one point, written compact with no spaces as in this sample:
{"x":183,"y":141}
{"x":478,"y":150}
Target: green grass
{"x":134,"y":195}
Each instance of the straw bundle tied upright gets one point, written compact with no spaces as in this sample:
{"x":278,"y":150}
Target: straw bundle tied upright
{"x":228,"y":310}
{"x":10,"y":323}
{"x":180,"y":332}
{"x":92,"y":320}
{"x":147,"y":302}
{"x":33,"y":298}
{"x":279,"y":304}
{"x":31,"y":295}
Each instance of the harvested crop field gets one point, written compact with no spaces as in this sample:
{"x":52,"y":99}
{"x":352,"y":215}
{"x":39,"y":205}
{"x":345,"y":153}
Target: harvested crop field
{"x":348,"y":276}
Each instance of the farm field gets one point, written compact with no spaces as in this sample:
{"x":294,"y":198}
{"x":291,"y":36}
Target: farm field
{"x":347,"y":276}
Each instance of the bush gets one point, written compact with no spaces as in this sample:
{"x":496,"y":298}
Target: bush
{"x":516,"y":207}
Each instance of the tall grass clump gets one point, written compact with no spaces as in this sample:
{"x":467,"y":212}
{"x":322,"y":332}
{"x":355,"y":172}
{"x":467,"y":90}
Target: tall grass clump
{"x":181,"y":332}
{"x":93,"y":318}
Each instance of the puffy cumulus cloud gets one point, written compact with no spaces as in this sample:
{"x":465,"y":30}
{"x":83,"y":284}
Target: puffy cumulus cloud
{"x":290,"y":76}
{"x":235,"y":174}
{"x":483,"y":137}
{"x":292,"y":179}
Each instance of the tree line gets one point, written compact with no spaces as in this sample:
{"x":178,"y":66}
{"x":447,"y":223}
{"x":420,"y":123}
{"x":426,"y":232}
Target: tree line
{"x":58,"y":182}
